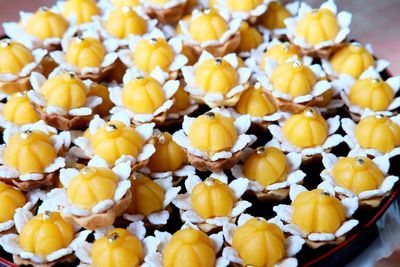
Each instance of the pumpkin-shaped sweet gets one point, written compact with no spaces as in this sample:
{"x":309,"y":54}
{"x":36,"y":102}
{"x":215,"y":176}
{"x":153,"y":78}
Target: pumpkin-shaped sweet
{"x":91,"y":186}
{"x":242,"y":5}
{"x":378,"y":132}
{"x":147,"y":196}
{"x":122,"y":3}
{"x":314,"y":129}
{"x":212,"y":132}
{"x":208,"y":26}
{"x":46,"y":233}
{"x":29,"y":152}
{"x":191,"y":247}
{"x":19,"y":110}
{"x":256,"y":102}
{"x":212,"y":198}
{"x":100,"y":90}
{"x":357,"y":174}
{"x":266,"y":165}
{"x":373,"y":94}
{"x":65,"y":91}
{"x":150,"y":53}
{"x":280,"y":53}
{"x":81,"y":10}
{"x":318,"y":26}
{"x":13,"y":57}
{"x":125,"y":21}
{"x":293,"y":78}
{"x":118,"y":248}
{"x":275,"y":16}
{"x":168,"y":156}
{"x":216,"y":76}
{"x":250,"y":38}
{"x":182,"y":101}
{"x":352,"y":59}
{"x":85,"y":52}
{"x":252,"y":239}
{"x":317,"y":212}
{"x":143,"y":95}
{"x":114,"y":140}
{"x":11,"y":199}
{"x":46,"y":24}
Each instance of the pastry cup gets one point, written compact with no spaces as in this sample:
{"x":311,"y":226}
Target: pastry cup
{"x":68,"y":259}
{"x":323,"y":49}
{"x":250,"y":16}
{"x":169,"y":13}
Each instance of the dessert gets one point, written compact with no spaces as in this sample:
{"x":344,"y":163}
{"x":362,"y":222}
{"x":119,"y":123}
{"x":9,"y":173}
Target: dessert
{"x":17,"y":111}
{"x":80,"y":11}
{"x":165,"y":11}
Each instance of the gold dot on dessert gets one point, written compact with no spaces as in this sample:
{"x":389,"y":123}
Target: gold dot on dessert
{"x":71,"y":74}
{"x":25,"y":134}
{"x":261,"y":219}
{"x":46,"y":215}
{"x":88,"y":170}
{"x":139,"y":77}
{"x":326,"y":193}
{"x":210,"y":181}
{"x":286,"y":47}
{"x":5,"y":42}
{"x":257,"y":85}
{"x":218,"y":61}
{"x":112,"y":237}
{"x":79,"y":39}
{"x":111,"y":127}
{"x":360,"y":162}
{"x":375,"y":80}
{"x":153,"y":41}
{"x":44,"y":9}
{"x":260,"y":150}
{"x":309,"y":113}
{"x":161,"y":138}
{"x":136,"y":175}
{"x":379,"y":116}
{"x":210,"y":115}
{"x":297,"y":64}
{"x":126,"y":9}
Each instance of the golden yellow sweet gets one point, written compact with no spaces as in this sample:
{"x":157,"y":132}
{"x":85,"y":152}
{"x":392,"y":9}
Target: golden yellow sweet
{"x":216,"y":76}
{"x":243,"y":5}
{"x":378,"y":132}
{"x":143,"y":95}
{"x":275,"y":16}
{"x":208,"y":26}
{"x":314,"y":129}
{"x":182,"y":101}
{"x":82,"y":10}
{"x":357,"y":174}
{"x":125,"y":21}
{"x":122,"y":3}
{"x":119,"y":248}
{"x":191,"y":247}
{"x":150,"y":53}
{"x":318,"y":26}
{"x":352,"y":59}
{"x":250,"y":38}
{"x":46,"y":24}
{"x":46,"y":233}
{"x":373,"y":94}
{"x":101,"y":90}
{"x":168,"y":156}
{"x":212,"y":132}
{"x":114,"y":140}
{"x":256,"y":102}
{"x":65,"y":91}
{"x":147,"y":196}
{"x":11,"y":199}
{"x":29,"y":152}
{"x":317,"y":212}
{"x":293,"y":78}
{"x":19,"y":110}
{"x":254,"y":238}
{"x":14,"y":57}
{"x":280,"y":53}
{"x":212,"y":198}
{"x":85,"y":52}
{"x":266,"y":165}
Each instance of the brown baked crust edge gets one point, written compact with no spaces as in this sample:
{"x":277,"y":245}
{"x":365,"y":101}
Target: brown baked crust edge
{"x":213,"y":166}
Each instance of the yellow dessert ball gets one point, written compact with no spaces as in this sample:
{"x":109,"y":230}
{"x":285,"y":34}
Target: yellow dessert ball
{"x":125,"y":21}
{"x":106,"y":105}
{"x":250,"y":38}
{"x":65,"y":91}
{"x":212,"y":198}
{"x":256,"y":236}
{"x":352,"y":59}
{"x":280,"y":53}
{"x":143,"y":95}
{"x":256,"y":102}
{"x":208,"y":26}
{"x":85,"y":52}
{"x":150,"y":53}
{"x":19,"y":110}
{"x":275,"y":16}
{"x":11,"y":199}
{"x":119,"y":248}
{"x":191,"y":247}
{"x":46,"y":233}
{"x":293,"y":78}
{"x":82,"y":10}
{"x":216,"y":76}
{"x":317,"y":212}
{"x":378,"y":132}
{"x":318,"y":26}
{"x":212,"y":132}
{"x":46,"y":24}
{"x":373,"y":94}
{"x":147,"y":196}
{"x":29,"y":152}
{"x":357,"y":174}
{"x":314,"y":129}
{"x":14,"y":57}
{"x":182,"y":101}
{"x":122,"y":3}
{"x":242,"y":5}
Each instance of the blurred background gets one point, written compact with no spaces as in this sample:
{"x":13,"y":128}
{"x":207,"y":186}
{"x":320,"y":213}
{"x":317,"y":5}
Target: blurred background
{"x":376,"y":22}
